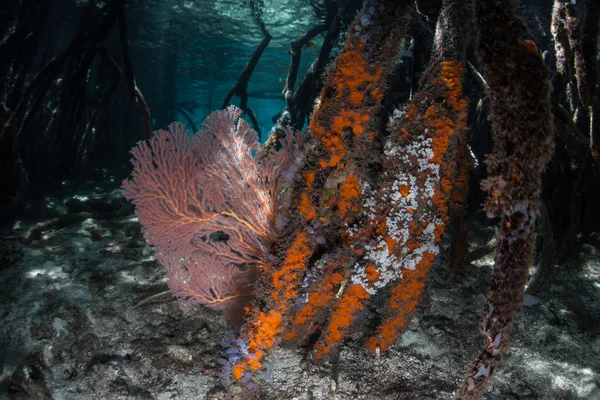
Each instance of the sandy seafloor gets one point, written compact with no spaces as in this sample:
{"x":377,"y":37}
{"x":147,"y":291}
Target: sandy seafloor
{"x":70,"y":327}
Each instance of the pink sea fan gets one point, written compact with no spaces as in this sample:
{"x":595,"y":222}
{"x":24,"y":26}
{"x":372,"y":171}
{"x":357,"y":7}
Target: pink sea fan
{"x":208,"y":203}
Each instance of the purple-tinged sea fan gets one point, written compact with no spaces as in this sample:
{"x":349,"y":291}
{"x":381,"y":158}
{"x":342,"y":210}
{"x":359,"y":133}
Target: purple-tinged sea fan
{"x":210,"y":204}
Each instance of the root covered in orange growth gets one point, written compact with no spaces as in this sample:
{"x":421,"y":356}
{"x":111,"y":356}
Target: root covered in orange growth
{"x":421,"y":214}
{"x":404,"y":302}
{"x":342,"y":316}
{"x":263,"y":329}
{"x":285,"y":280}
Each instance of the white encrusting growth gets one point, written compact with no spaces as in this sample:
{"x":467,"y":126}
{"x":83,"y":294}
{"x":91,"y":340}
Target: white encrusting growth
{"x":411,"y":196}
